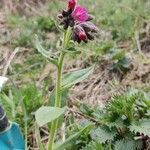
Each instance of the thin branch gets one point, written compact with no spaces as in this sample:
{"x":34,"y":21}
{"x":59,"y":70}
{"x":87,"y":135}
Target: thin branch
{"x":86,"y":116}
{"x":9,"y":61}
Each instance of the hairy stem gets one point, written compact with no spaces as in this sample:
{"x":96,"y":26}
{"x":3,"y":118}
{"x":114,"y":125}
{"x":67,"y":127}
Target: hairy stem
{"x":58,"y":90}
{"x":58,"y":94}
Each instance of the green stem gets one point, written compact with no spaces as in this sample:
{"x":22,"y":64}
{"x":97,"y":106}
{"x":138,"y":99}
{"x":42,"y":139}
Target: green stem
{"x":58,"y":94}
{"x":25,"y":124}
{"x":26,"y":135}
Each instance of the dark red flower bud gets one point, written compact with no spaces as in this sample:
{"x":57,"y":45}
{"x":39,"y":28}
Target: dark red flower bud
{"x":79,"y":31}
{"x":82,"y":35}
{"x":72,"y":4}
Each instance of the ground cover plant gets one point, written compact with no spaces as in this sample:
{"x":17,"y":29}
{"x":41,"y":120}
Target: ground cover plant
{"x":77,"y":81}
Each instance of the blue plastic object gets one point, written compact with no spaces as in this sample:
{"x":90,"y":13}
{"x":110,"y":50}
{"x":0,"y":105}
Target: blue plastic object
{"x":12,"y":138}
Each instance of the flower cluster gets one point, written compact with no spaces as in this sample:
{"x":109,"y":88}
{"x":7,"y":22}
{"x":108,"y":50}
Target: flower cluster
{"x":79,"y":19}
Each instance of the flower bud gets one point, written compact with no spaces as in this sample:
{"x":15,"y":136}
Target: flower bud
{"x":72,"y":4}
{"x":82,"y":35}
{"x":89,"y":27}
{"x":79,"y":31}
{"x":66,"y":13}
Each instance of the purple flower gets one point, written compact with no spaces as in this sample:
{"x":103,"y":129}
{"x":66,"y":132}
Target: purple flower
{"x":80,"y":14}
{"x":79,"y":19}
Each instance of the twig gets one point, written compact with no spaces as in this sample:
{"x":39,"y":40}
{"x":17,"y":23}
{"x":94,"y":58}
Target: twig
{"x":45,"y":131}
{"x":138,"y":42}
{"x":9,"y":61}
{"x":86,"y":116}
{"x":63,"y":132}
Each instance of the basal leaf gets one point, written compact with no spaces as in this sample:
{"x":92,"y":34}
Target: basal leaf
{"x":47,"y":114}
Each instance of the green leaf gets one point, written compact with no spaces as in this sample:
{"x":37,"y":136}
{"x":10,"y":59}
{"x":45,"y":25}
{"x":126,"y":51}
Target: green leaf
{"x":67,"y":37}
{"x":148,"y":113}
{"x":47,"y":114}
{"x":46,"y":54}
{"x":63,"y":102}
{"x":59,"y":28}
{"x":143,"y":127}
{"x":63,"y":99}
{"x":71,"y":51}
{"x":75,"y":77}
{"x":118,"y":56}
{"x":85,"y":109}
{"x":69,"y":80}
{"x":93,"y":146}
{"x":128,"y":144}
{"x":10,"y":101}
{"x":102,"y":134}
{"x":72,"y":139}
{"x":41,"y":49}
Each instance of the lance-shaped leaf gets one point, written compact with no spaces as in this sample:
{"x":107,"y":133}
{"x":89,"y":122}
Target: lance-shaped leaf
{"x":75,"y":77}
{"x":59,"y":28}
{"x":47,"y":114}
{"x":69,"y":80}
{"x":72,"y":138}
{"x":46,"y":54}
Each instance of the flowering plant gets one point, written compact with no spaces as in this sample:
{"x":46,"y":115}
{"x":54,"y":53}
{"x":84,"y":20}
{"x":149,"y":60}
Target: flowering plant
{"x":75,"y":22}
